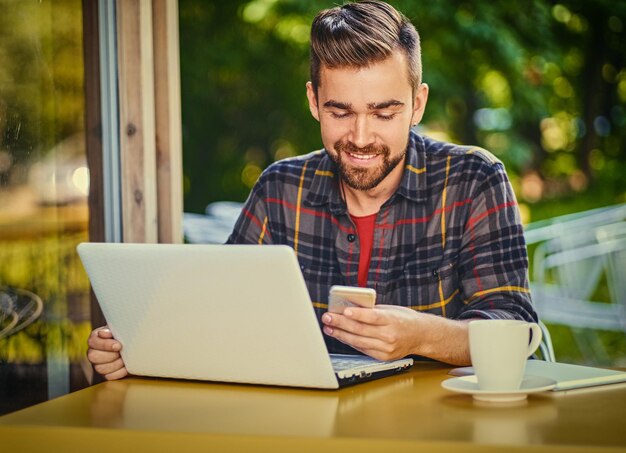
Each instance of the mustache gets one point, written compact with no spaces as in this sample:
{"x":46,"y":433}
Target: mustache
{"x":349,"y":147}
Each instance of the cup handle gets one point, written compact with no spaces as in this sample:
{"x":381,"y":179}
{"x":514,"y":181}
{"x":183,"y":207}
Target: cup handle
{"x":537,"y":335}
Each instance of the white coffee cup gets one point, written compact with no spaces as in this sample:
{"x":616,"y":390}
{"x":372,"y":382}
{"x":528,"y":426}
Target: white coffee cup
{"x":499,"y":349}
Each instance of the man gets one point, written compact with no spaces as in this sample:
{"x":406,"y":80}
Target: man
{"x":433,"y":227}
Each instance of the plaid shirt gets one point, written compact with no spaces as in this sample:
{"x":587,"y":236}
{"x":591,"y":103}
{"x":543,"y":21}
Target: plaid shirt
{"x":448,"y":242}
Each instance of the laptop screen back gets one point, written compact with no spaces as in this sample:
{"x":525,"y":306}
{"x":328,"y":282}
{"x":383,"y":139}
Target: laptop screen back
{"x":232,"y":313}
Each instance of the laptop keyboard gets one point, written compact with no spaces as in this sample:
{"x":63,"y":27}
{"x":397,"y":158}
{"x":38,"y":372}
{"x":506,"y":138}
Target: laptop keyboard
{"x":346,"y":362}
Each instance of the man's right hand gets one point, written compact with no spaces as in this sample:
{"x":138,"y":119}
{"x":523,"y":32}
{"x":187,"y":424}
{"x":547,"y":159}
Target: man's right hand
{"x":104,"y":354}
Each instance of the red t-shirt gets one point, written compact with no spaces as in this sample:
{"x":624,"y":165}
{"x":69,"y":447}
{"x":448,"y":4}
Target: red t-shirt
{"x":365,"y":231}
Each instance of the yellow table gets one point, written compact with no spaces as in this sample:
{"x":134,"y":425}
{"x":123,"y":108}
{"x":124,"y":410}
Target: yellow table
{"x":408,"y":412}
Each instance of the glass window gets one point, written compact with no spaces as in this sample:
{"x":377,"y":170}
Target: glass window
{"x":44,"y":181}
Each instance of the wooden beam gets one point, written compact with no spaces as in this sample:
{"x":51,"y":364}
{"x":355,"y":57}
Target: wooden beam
{"x":168,"y":120}
{"x":137,"y":120}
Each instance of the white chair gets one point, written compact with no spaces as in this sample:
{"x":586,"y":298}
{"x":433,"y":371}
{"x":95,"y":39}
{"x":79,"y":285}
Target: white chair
{"x":569,"y":266}
{"x":545,"y":230}
{"x":545,"y":347}
{"x":569,"y":270}
{"x":214,"y":226}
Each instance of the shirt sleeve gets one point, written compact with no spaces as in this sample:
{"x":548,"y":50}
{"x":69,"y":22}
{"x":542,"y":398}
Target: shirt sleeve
{"x":252,"y":226}
{"x":493,"y":262}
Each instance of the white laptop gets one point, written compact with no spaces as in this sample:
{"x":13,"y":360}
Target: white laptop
{"x":228,"y":313}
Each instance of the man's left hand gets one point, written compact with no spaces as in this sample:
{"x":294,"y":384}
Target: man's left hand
{"x":385,"y":332}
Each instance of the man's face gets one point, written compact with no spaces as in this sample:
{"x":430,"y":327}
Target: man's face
{"x":365,"y":115}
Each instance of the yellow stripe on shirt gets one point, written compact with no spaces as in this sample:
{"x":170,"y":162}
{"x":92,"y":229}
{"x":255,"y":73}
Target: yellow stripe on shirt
{"x":518,"y":289}
{"x":415,"y":170}
{"x":263,"y":230}
{"x":443,"y":205}
{"x":441,"y":303}
{"x":298,"y":203}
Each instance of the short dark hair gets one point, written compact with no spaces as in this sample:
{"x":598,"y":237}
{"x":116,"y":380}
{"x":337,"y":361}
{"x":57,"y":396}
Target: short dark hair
{"x":361,"y":33}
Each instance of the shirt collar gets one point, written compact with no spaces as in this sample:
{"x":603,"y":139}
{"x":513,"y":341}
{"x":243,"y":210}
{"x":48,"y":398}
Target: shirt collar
{"x":414,"y":181}
{"x":324,"y":188}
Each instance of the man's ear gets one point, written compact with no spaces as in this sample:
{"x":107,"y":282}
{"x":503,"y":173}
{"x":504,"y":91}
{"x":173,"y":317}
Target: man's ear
{"x":310,"y":94}
{"x":419,"y":103}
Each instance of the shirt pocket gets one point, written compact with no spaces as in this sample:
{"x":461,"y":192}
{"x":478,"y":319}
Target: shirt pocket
{"x":430,"y":287}
{"x":319,"y":278}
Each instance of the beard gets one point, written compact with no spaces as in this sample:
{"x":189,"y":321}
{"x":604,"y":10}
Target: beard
{"x":364,"y":178}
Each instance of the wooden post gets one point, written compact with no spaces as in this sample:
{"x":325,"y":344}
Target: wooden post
{"x":137,"y":121}
{"x":168,"y":120}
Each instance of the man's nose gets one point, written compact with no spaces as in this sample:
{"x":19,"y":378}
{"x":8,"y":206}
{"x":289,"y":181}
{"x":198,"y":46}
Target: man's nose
{"x":362,"y":131}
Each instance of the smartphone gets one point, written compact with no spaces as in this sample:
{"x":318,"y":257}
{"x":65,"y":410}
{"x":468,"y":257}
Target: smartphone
{"x":342,"y":297}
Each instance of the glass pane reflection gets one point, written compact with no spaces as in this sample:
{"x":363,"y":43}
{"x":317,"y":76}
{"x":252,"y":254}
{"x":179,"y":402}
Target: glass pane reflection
{"x":44,"y":181}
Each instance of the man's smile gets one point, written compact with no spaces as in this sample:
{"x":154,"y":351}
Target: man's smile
{"x":362,"y":156}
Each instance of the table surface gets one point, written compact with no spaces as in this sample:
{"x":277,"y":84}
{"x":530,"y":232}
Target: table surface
{"x":403,"y":412}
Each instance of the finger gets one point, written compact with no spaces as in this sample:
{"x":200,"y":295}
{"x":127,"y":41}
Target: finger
{"x":336,"y":321}
{"x":103,"y":344}
{"x":104,"y":332}
{"x":97,"y":357}
{"x":109,"y":367}
{"x":356,"y":341}
{"x":119,"y":374}
{"x":101,"y":332}
{"x":379,"y":350}
{"x":372,"y":316}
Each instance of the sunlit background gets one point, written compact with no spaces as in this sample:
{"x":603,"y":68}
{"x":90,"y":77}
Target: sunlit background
{"x":541,"y":84}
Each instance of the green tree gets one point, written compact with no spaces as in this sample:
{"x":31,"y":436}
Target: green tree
{"x":542,"y":84}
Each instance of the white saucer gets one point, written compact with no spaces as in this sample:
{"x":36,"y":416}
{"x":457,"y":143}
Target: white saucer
{"x":469,"y":384}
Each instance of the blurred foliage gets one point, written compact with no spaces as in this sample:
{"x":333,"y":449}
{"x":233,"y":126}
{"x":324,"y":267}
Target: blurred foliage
{"x":541,"y":84}
{"x":41,"y":104}
{"x":41,"y":80}
{"x":49,"y":267}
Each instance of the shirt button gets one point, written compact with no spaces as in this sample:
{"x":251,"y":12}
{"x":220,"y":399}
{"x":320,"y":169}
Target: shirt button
{"x":351,"y":238}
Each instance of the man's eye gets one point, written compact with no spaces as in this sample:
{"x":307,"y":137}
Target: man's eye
{"x":383,"y":117}
{"x":340,"y":115}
